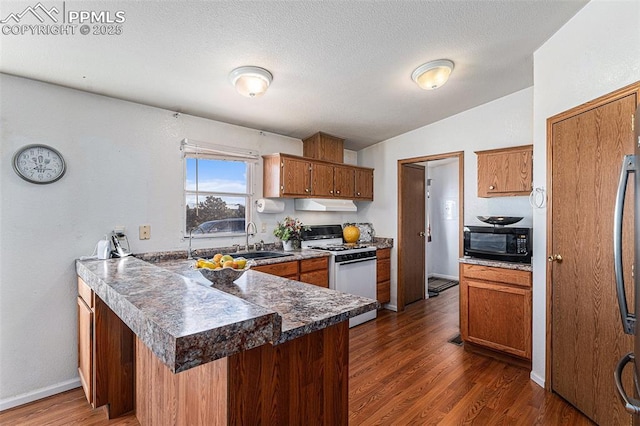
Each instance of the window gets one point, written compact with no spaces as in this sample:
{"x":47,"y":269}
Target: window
{"x":217,"y":190}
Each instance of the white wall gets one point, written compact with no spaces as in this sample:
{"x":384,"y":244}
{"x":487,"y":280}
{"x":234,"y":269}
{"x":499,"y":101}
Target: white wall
{"x":124,"y":168}
{"x":442,"y":251}
{"x":497,"y":124}
{"x":596,"y":52}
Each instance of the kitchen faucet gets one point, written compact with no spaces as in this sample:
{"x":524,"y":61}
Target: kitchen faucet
{"x":189,"y":255}
{"x":255,"y":231}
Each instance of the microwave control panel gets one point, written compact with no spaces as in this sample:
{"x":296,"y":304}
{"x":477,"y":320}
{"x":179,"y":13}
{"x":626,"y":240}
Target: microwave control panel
{"x":521,"y":244}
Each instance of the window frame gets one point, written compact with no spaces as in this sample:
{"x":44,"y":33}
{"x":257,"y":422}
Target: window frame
{"x":202,"y":151}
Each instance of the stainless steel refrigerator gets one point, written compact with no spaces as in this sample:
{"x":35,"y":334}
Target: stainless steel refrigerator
{"x":629,"y":175}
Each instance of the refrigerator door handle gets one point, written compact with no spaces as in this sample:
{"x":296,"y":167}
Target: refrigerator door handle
{"x":632,"y":405}
{"x":628,"y":319}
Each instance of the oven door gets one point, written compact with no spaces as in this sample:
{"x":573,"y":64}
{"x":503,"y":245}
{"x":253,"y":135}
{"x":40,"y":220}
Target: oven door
{"x":357,"y":277}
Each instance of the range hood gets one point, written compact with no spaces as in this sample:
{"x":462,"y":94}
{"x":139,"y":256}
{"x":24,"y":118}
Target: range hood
{"x":325,"y":205}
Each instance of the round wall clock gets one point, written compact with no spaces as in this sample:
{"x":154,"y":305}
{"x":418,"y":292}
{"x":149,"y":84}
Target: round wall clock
{"x":39,"y":164}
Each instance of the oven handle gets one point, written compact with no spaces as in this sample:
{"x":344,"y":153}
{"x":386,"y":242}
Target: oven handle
{"x":348,"y":262}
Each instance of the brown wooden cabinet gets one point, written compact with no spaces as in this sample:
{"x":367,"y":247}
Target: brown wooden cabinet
{"x":495,"y":309}
{"x":363,"y":184}
{"x":383,"y":275}
{"x":285,"y":269}
{"x":288,"y":176}
{"x":311,"y":271}
{"x":322,"y":180}
{"x":505,"y":172}
{"x":324,"y":147}
{"x":315,"y":271}
{"x":105,"y":354}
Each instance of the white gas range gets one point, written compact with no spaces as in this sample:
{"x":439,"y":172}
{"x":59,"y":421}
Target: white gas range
{"x":352,"y":267}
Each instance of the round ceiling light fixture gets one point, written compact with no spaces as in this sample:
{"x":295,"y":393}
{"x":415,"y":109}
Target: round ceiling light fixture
{"x":250,"y":81}
{"x":433,"y":74}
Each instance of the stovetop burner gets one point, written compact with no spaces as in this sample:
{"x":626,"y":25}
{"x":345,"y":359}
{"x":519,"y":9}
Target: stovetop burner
{"x":340,"y":247}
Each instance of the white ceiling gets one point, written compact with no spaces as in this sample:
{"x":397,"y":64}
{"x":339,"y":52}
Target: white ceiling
{"x":343,"y":67}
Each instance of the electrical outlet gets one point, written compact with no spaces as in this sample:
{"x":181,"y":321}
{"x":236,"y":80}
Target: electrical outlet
{"x":145,"y":232}
{"x":264,"y":227}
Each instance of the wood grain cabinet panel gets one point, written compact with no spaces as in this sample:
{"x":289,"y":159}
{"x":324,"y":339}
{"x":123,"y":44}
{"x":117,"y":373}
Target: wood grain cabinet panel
{"x":315,"y":271}
{"x":325,"y":147}
{"x":296,"y":177}
{"x":285,"y":269}
{"x":344,"y":181}
{"x":383,"y":275}
{"x":495,"y":309}
{"x":105,"y":354}
{"x":363,"y":184}
{"x":322,"y":182}
{"x":288,"y":176}
{"x":505,"y":172}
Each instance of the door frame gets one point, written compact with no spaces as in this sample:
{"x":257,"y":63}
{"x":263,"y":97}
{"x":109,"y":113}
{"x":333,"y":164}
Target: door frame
{"x":551,"y":121}
{"x":456,"y":154}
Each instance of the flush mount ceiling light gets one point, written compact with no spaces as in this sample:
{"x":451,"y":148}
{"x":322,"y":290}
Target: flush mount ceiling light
{"x":250,"y":81}
{"x":433,"y":74}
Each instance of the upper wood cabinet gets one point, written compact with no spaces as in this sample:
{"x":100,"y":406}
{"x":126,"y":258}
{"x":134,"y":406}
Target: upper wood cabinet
{"x":363,"y":184}
{"x":322,"y":146}
{"x":505,"y":172}
{"x":289,"y":176}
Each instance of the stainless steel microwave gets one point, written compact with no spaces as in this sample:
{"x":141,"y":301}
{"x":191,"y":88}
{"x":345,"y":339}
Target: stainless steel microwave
{"x":498,"y":243}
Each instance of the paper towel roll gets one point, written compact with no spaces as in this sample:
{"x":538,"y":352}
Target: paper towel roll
{"x":267,"y":205}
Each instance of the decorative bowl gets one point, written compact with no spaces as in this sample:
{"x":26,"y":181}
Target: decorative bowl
{"x":500,"y":220}
{"x":222,"y":276}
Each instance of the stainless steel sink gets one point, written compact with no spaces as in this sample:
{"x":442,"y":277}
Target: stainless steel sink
{"x":260,"y":254}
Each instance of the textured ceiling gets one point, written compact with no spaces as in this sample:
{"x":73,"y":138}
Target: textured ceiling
{"x":342,"y":67}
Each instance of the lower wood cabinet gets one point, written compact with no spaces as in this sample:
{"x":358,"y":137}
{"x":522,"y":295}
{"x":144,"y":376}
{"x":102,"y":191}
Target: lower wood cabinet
{"x":495,"y":309}
{"x":311,"y":271}
{"x":315,"y":271}
{"x":105,"y":354}
{"x":383,"y":275}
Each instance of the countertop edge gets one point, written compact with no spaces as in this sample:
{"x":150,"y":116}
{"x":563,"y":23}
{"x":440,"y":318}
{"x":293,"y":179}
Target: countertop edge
{"x":496,"y":264}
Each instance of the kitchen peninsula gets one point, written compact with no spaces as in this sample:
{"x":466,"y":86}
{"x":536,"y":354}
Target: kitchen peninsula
{"x":262,"y":350}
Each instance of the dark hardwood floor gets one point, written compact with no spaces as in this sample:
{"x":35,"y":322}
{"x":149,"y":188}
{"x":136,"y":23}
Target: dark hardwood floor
{"x":402,"y":372}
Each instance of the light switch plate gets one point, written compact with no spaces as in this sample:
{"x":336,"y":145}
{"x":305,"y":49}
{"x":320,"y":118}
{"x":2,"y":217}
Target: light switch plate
{"x":145,"y":232}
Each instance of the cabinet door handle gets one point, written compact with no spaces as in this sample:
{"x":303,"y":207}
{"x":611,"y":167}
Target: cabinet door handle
{"x":492,"y":187}
{"x":421,"y":234}
{"x":555,"y":258}
{"x":337,"y":192}
{"x":358,"y":194}
{"x":307,"y":190}
{"x":331,"y":192}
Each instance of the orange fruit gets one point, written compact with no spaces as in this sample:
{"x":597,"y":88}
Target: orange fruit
{"x":228,"y":264}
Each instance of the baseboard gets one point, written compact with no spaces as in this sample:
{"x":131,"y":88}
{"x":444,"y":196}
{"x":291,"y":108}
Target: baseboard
{"x":390,"y":307}
{"x":537,"y":379}
{"x":444,"y":277}
{"x":28,"y":397}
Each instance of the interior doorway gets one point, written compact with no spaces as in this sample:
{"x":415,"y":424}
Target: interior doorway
{"x":416,"y":221}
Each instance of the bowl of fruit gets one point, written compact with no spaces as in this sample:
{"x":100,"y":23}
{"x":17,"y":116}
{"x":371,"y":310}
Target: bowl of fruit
{"x":222,"y":268}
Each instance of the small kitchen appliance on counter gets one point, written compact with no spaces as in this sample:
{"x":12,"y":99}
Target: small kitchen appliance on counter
{"x":498,"y":242}
{"x":352,"y":267}
{"x":121,"y":246}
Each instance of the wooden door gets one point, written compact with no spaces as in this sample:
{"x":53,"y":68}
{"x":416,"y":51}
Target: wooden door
{"x":587,"y":338}
{"x":344,"y":181}
{"x":296,"y":177}
{"x":322,"y":180}
{"x":364,"y":184}
{"x":412,"y":230}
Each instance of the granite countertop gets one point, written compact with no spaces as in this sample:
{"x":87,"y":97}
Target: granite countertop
{"x":186,"y":321}
{"x":304,"y":308}
{"x":496,"y":263}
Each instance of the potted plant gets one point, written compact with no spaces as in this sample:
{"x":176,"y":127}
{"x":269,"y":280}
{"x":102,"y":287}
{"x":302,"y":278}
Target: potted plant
{"x":289,"y":231}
